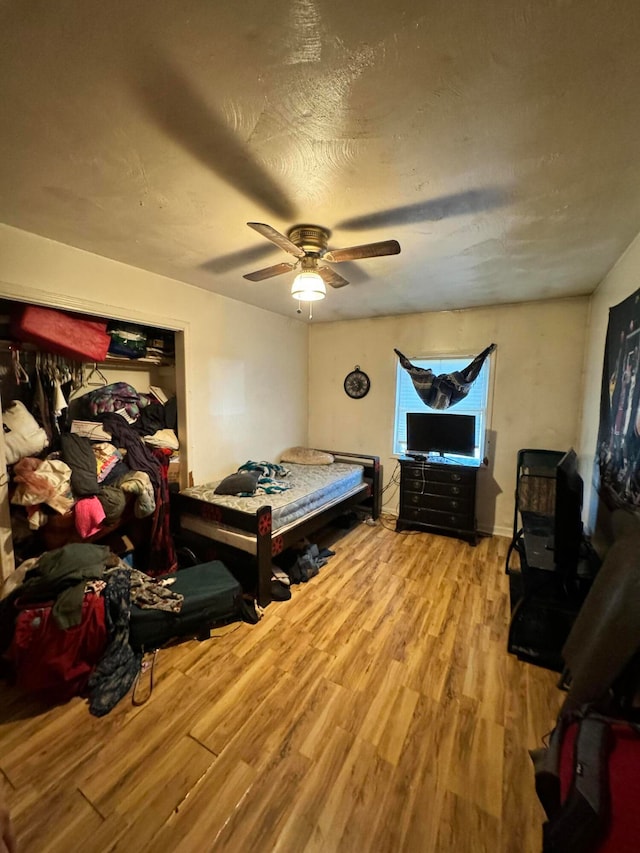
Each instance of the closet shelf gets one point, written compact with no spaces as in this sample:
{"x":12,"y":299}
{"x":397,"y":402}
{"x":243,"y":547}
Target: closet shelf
{"x":132,"y":363}
{"x":110,"y":360}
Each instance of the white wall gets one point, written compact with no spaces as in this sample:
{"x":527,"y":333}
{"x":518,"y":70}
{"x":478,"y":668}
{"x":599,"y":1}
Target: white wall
{"x":621,"y":282}
{"x":246,"y":368}
{"x":537,"y":388}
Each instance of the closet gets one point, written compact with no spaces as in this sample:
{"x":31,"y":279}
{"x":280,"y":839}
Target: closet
{"x":140,"y":357}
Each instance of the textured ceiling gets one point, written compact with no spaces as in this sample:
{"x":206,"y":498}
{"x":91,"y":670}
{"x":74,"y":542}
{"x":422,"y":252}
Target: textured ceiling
{"x":497,"y":141}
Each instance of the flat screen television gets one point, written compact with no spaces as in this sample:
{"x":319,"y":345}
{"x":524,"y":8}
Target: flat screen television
{"x":567,"y":521}
{"x":431,"y":432}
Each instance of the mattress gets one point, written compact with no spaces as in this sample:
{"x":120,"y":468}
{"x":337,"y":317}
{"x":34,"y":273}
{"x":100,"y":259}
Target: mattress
{"x":313,"y":487}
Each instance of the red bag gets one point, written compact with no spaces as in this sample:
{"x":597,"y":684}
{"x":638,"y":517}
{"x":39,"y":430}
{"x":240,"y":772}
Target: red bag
{"x":588,"y":782}
{"x":66,"y":334}
{"x":54,"y":661}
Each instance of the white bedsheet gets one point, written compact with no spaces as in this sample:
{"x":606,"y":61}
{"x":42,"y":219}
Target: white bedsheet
{"x":312,"y":487}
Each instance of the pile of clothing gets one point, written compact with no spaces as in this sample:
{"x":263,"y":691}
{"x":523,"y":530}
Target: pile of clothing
{"x":121,"y":451}
{"x":297,"y":565}
{"x":309,"y":560}
{"x":64,"y":621}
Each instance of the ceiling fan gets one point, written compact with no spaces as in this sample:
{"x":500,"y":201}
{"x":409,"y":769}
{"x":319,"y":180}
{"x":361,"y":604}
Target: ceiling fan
{"x":308,"y":243}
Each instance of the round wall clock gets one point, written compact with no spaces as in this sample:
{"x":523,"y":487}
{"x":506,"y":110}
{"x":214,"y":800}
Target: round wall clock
{"x":357,"y":383}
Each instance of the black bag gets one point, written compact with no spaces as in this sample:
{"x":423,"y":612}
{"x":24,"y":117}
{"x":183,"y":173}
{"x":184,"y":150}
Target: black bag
{"x":212,"y":596}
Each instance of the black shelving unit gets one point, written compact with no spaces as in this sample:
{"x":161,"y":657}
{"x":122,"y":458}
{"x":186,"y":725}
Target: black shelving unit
{"x":542,"y":608}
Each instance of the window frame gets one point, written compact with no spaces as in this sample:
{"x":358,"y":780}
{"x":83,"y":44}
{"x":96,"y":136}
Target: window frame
{"x":483,"y":414}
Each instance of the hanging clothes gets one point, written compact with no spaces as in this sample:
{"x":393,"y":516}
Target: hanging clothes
{"x":162,"y":559}
{"x":447,"y":389}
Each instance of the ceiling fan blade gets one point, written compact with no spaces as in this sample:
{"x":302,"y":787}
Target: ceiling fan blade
{"x":277,"y":238}
{"x":332,"y":278}
{"x":269,"y":272}
{"x":369,"y":250}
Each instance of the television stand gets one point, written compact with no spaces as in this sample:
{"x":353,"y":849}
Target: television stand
{"x":438,"y":497}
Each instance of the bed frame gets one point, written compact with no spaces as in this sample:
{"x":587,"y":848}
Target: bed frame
{"x":269,"y":543}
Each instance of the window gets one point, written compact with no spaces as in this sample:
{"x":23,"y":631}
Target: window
{"x":407,"y":399}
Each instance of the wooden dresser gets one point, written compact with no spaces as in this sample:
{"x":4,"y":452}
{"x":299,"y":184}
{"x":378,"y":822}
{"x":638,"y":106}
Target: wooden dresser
{"x":438,"y":497}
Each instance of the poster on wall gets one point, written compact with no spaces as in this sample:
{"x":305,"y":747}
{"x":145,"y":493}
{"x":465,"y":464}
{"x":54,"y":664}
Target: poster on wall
{"x":618,"y":449}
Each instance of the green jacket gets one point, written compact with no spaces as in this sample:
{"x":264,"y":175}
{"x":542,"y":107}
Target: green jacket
{"x":62,"y":575}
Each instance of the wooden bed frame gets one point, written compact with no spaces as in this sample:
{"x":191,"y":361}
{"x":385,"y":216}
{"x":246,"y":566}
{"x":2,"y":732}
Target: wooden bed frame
{"x":258,"y":525}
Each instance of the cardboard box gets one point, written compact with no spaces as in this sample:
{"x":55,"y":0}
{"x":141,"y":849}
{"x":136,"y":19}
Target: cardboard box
{"x":173,"y":475}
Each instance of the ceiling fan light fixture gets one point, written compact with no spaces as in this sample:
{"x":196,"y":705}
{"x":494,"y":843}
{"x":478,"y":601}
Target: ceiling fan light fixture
{"x":308,"y":286}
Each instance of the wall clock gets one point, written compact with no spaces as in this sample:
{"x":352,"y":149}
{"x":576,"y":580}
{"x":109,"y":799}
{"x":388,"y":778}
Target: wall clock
{"x":357,"y":383}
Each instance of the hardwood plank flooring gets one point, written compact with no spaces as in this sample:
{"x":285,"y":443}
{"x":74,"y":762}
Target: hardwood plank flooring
{"x":377,"y":710}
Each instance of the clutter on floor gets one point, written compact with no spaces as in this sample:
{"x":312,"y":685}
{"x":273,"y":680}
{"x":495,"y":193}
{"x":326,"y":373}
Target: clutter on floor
{"x":78,"y":620}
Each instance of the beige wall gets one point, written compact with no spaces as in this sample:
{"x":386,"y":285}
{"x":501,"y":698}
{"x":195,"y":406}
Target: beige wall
{"x":537,"y":387}
{"x":621,"y":282}
{"x":241,"y":404}
{"x":246,"y":368}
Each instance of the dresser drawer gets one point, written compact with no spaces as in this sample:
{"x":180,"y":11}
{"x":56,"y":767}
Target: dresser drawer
{"x":436,"y":518}
{"x":444,"y":503}
{"x":462,"y":491}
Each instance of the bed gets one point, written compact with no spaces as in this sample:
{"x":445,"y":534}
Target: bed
{"x":265,"y":525}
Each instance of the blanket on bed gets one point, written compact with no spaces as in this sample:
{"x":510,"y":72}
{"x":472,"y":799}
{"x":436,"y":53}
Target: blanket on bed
{"x":267,"y":484}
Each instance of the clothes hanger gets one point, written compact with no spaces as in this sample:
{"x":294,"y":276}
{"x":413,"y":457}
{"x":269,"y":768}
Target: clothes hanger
{"x":95,"y":371}
{"x":85,"y":382}
{"x":21,"y":375}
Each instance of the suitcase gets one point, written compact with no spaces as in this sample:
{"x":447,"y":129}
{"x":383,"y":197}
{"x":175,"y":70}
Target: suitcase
{"x":55,"y":662}
{"x":212,"y":596}
{"x":66,"y":334}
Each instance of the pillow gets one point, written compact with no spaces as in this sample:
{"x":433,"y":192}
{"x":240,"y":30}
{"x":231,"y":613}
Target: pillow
{"x":23,"y":436}
{"x":243,"y":481}
{"x":306,"y":456}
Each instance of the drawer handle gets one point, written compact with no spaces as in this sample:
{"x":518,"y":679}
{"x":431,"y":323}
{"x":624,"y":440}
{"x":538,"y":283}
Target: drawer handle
{"x":456,"y":477}
{"x":455,"y":490}
{"x":454,"y":504}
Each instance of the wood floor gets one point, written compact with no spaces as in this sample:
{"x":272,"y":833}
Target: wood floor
{"x":377,"y":710}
